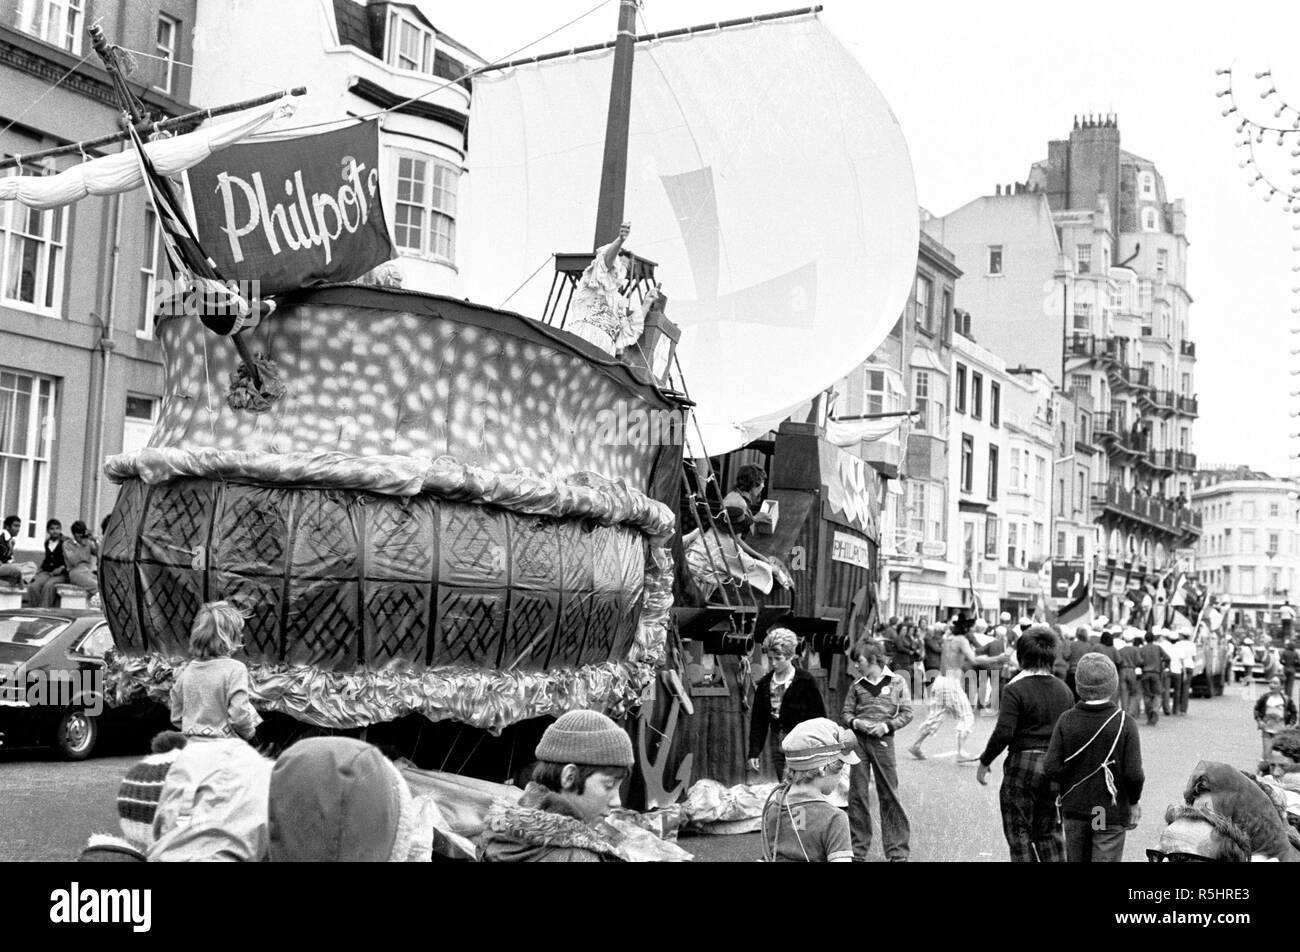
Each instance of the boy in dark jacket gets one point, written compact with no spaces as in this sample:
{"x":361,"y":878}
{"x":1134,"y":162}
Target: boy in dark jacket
{"x":877,"y":705}
{"x":784,"y":697}
{"x":1095,"y":758}
{"x":583,"y":759}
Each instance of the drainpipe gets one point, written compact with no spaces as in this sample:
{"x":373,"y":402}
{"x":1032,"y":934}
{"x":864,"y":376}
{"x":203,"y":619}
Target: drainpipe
{"x":106,"y":346}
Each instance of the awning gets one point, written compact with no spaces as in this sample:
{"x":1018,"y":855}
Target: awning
{"x":918,"y":593}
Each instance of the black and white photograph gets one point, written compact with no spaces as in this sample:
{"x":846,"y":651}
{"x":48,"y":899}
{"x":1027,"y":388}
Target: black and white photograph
{"x":651,"y":431}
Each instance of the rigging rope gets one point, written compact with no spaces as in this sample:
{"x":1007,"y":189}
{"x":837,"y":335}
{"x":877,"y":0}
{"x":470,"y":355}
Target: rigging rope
{"x":32,"y":105}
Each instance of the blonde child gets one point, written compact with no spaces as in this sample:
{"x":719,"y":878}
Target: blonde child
{"x":800,"y":825}
{"x":210,"y":699}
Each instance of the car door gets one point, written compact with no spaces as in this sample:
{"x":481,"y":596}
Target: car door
{"x":87,"y":653}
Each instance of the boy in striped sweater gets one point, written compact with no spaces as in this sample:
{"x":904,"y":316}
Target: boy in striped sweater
{"x":877,"y":705}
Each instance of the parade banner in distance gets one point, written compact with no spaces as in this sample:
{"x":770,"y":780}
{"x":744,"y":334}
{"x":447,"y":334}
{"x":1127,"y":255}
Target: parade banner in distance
{"x":294,"y":212}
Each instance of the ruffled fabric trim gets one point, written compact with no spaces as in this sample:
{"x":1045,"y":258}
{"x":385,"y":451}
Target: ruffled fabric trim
{"x":580,"y":496}
{"x":488,"y":699}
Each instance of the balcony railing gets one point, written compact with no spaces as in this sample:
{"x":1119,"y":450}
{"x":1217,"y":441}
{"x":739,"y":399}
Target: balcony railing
{"x":1133,"y":378}
{"x":1081,"y":345}
{"x":1189,"y":406}
{"x":1160,"y":459}
{"x":1187,"y":348}
{"x":1113,"y":350}
{"x":1163,"y":401}
{"x":1185,"y":461}
{"x":1110,"y":425}
{"x":1153,"y":511}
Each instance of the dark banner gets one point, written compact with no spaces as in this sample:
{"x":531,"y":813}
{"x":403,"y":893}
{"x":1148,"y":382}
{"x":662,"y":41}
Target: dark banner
{"x":294,"y":212}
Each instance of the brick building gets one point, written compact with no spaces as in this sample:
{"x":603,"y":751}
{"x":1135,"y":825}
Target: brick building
{"x":80,"y":375}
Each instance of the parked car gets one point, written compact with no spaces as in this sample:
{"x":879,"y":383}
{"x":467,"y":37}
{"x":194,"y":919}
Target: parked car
{"x":52,"y":683}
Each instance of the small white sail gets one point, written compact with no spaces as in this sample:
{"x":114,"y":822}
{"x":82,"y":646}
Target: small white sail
{"x":120,"y":172}
{"x":766,"y":176}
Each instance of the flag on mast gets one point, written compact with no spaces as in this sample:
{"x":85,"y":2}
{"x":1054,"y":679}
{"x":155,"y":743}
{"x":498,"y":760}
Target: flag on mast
{"x":224,"y":310}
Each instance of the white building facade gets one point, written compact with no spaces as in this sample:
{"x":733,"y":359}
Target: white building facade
{"x":1250,"y":549}
{"x":358,"y":58}
{"x":978,"y":467}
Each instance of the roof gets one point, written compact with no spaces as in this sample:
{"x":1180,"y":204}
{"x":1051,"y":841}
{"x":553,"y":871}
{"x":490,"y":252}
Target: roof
{"x":356,"y":27}
{"x":353,"y":25}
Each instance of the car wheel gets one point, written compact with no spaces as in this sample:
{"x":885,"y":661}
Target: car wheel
{"x":76,"y":734}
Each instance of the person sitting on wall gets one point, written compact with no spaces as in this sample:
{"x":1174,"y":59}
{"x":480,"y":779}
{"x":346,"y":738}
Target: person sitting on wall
{"x":81,"y":558}
{"x":40,"y":593}
{"x":601,"y":313}
{"x":15,"y":573}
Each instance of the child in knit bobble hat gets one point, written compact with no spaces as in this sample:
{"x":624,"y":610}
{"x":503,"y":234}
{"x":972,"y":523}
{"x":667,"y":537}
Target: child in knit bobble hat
{"x":1096,"y":759}
{"x":137,"y":803}
{"x":583,"y":759}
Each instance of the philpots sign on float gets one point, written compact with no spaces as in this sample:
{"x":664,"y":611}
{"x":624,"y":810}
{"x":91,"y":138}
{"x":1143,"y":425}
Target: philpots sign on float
{"x":294,"y":212}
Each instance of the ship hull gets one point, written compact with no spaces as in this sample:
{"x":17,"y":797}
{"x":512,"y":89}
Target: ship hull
{"x":435,"y":516}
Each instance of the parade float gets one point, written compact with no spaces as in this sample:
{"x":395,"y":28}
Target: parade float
{"x":436,"y":511}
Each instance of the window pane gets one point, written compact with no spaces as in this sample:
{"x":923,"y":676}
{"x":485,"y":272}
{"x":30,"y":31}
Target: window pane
{"x":39,"y":475}
{"x":10,"y":474}
{"x":140,"y":408}
{"x":52,"y":277}
{"x":22,"y":419}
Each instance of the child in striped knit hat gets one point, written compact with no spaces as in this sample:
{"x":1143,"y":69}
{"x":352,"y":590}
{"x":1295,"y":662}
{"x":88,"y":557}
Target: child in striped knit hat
{"x":137,"y":802}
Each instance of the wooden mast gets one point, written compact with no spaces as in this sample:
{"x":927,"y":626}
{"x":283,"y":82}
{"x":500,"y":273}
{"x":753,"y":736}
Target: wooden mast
{"x":613,"y":173}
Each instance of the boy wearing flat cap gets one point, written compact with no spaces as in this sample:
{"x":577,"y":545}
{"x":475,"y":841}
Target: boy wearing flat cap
{"x":583,"y":759}
{"x":800,"y":825}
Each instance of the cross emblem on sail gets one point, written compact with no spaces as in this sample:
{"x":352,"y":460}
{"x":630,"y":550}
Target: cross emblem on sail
{"x":767,"y":177}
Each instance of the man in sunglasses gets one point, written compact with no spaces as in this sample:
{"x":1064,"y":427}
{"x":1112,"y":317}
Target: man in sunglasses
{"x":1199,"y":835}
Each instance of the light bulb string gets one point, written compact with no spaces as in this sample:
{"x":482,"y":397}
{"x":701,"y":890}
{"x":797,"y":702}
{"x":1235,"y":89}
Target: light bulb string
{"x":1254,"y":132}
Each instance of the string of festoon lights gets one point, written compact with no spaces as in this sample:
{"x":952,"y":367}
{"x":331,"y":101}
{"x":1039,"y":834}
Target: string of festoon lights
{"x":1281,"y":136}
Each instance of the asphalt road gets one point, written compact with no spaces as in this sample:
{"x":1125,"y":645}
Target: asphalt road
{"x":954,"y":819}
{"x":48,"y":808}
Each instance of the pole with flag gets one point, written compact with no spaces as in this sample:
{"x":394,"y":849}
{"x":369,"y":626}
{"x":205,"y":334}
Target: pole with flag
{"x":184,"y":252}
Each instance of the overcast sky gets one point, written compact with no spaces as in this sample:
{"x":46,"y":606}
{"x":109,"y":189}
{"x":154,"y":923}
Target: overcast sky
{"x":981,"y":86}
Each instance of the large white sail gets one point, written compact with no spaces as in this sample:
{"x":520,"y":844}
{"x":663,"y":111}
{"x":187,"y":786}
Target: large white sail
{"x":767,"y":177}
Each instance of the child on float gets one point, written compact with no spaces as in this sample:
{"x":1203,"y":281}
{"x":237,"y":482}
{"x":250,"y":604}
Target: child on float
{"x":210,"y":697}
{"x":800,"y":825}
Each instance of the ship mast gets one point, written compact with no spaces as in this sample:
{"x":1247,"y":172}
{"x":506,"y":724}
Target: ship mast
{"x":613,"y":173}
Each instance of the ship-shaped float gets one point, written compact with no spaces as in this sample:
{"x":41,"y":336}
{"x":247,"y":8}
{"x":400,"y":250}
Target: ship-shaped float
{"x":432,"y":508}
